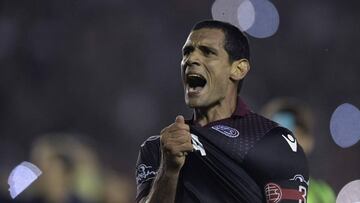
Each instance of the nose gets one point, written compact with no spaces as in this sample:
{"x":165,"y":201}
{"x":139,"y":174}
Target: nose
{"x":192,"y":59}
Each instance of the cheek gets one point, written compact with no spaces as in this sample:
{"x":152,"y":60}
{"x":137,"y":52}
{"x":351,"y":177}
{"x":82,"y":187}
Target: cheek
{"x":221,"y":75}
{"x":220,"y":82}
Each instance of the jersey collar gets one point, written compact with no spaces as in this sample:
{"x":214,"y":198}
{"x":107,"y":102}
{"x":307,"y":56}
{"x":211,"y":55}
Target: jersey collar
{"x":241,"y":110}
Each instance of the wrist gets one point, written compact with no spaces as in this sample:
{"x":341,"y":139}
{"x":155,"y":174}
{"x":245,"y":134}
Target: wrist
{"x":169,"y":172}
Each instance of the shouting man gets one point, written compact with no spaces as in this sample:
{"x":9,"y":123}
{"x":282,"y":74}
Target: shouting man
{"x":226,"y":152}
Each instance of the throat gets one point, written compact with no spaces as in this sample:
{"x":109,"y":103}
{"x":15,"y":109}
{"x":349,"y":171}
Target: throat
{"x":218,"y":111}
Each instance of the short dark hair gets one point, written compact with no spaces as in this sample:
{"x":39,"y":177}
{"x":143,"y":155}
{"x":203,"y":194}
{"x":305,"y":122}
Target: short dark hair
{"x":236,"y":43}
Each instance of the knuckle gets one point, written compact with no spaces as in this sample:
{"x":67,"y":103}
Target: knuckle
{"x":163,"y":138}
{"x":184,"y":138}
{"x":173,"y":151}
{"x":184,"y":126}
{"x":166,"y":146}
{"x":183,"y":132}
{"x":173,"y":125}
{"x":187,"y":127}
{"x":177,"y":126}
{"x":181,"y":126}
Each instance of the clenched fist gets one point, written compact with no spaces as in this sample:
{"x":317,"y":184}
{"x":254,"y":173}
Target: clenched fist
{"x":175,"y":144}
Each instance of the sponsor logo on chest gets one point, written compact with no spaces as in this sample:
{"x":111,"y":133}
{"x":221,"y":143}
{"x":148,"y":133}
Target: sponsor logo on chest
{"x":226,"y":130}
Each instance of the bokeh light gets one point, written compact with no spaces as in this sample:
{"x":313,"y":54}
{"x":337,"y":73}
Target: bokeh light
{"x":226,"y":10}
{"x":350,"y":193}
{"x":266,"y":19}
{"x":246,"y":15}
{"x":259,"y":18}
{"x":345,"y":125}
{"x":21,"y":177}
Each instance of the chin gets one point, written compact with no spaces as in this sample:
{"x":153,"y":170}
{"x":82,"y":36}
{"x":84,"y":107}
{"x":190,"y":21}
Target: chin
{"x":192,"y":104}
{"x":195,"y":103}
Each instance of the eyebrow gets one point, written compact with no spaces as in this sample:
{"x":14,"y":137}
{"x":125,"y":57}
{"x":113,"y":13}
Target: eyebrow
{"x":188,"y":48}
{"x":208,"y":48}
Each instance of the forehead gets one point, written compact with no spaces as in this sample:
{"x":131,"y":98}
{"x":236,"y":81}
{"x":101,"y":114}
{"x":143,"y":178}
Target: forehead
{"x":206,"y":36}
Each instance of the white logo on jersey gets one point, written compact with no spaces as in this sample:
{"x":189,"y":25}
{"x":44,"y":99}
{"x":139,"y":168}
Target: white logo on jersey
{"x":226,"y":130}
{"x":291,"y":141}
{"x":144,"y":173}
{"x":197,"y":145}
{"x":300,"y":178}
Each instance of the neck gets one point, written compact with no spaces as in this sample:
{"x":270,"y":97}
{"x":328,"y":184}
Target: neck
{"x":220,"y":110}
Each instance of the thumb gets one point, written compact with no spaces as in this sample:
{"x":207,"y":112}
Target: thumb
{"x":179,"y":119}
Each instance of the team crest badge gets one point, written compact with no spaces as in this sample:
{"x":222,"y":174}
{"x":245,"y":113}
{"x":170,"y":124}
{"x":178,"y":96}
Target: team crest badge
{"x":226,"y":130}
{"x":273,"y":193}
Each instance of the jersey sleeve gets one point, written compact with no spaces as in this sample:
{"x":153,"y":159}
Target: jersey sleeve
{"x":279,"y":166}
{"x":147,"y":166}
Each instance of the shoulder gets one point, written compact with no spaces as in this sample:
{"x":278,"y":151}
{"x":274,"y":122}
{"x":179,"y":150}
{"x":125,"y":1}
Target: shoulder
{"x":148,"y":159}
{"x":282,"y":142}
{"x":278,"y":155}
{"x":151,"y":141}
{"x":278,"y":145}
{"x":255,"y":124}
{"x":150,"y":150}
{"x":151,"y":144}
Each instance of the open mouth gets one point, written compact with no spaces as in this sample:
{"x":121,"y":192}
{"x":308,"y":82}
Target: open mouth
{"x":195,"y":83}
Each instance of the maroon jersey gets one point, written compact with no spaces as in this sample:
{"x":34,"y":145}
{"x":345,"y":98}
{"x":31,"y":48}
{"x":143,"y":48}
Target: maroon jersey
{"x":244,"y":158}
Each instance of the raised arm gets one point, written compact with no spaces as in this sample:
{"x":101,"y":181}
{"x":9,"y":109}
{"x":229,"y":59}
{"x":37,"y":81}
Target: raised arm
{"x":175,"y":143}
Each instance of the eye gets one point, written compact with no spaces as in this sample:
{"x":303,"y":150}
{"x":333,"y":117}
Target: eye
{"x":206,"y":51}
{"x":186,"y":50}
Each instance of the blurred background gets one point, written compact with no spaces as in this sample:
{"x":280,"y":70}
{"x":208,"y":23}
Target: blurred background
{"x":99,"y":77}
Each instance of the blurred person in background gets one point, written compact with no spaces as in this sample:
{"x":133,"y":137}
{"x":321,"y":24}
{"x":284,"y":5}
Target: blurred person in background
{"x":118,"y":188}
{"x":71,"y":172}
{"x":298,"y":118}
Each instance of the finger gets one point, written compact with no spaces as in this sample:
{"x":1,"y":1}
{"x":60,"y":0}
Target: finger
{"x":176,"y":126}
{"x":179,"y":119}
{"x":175,"y":149}
{"x":182,"y":154}
{"x":186,"y":147}
{"x":178,"y":140}
{"x":179,"y":133}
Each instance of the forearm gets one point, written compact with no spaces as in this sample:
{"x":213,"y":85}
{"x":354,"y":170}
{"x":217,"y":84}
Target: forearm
{"x":164,"y":188}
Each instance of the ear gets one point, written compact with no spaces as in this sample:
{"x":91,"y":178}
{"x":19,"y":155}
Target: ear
{"x":239,"y":69}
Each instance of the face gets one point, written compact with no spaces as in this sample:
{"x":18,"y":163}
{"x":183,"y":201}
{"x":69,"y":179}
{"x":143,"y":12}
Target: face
{"x":205,"y":68}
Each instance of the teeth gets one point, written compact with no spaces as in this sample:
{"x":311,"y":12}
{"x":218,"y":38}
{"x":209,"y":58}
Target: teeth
{"x":194,"y":75}
{"x":194,"y":89}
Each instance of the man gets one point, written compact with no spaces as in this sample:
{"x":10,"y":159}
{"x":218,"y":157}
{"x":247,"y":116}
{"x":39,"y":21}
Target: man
{"x":225,"y":153}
